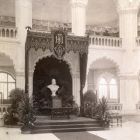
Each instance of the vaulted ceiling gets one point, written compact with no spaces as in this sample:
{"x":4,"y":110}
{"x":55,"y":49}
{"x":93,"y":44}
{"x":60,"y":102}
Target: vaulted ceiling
{"x":99,"y":12}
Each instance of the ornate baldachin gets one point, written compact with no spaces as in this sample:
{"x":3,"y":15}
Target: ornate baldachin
{"x":44,"y":41}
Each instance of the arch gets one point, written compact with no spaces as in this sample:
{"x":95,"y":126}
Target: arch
{"x":105,"y":75}
{"x":9,"y":73}
{"x":9,"y":57}
{"x":7,"y":33}
{"x":49,"y":55}
{"x":117,"y":66}
{"x":12,"y":33}
{"x":113,"y":81}
{"x":46,"y":69}
{"x":3,"y":33}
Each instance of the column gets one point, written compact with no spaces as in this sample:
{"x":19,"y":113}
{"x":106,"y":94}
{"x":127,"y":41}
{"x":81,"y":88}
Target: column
{"x":23,"y":13}
{"x":78,"y":10}
{"x":128,"y":22}
{"x":76,"y":87}
{"x":23,"y":16}
{"x":20,"y":80}
{"x":30,"y":83}
{"x":129,"y":93}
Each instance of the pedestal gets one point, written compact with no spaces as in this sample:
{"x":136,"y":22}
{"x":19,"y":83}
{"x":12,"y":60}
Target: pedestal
{"x":129,"y":93}
{"x":56,"y":102}
{"x":1,"y":120}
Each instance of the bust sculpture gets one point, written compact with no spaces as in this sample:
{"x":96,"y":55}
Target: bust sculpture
{"x":53,"y":87}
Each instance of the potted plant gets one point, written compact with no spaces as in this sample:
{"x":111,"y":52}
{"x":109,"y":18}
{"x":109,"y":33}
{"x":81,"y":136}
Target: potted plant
{"x":11,"y":116}
{"x":103,"y":114}
{"x":90,"y":104}
{"x":26,"y":113}
{"x":1,"y":120}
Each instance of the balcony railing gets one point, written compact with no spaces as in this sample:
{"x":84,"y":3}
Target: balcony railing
{"x":8,"y":32}
{"x":138,"y":106}
{"x":48,"y":25}
{"x":105,"y":41}
{"x":114,"y":106}
{"x":4,"y":108}
{"x":138,"y":41}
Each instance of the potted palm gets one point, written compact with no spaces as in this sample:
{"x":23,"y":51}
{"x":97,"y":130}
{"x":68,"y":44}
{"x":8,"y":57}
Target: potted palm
{"x":90,"y":104}
{"x":103,"y":114}
{"x":11,"y":116}
{"x":26,"y":114}
{"x":1,"y":120}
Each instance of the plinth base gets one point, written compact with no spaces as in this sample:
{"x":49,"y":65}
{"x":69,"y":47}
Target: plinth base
{"x":56,"y":102}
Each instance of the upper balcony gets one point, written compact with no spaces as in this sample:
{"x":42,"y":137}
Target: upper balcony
{"x":100,"y":37}
{"x":8,"y":30}
{"x":105,"y":41}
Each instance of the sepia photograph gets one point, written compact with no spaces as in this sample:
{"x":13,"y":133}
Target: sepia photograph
{"x":69,"y":69}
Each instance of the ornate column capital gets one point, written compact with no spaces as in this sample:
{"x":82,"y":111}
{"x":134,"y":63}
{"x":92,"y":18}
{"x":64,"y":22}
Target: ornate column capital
{"x":128,"y":77}
{"x":79,"y":3}
{"x":24,"y":3}
{"x":76,"y":75}
{"x":19,"y":73}
{"x":127,"y":6}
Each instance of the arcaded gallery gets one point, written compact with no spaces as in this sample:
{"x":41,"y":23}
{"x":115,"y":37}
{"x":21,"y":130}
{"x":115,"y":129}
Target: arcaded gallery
{"x":66,"y":65}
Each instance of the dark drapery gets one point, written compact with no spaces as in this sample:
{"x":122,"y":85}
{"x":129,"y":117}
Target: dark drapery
{"x":27,"y":63}
{"x":83,"y":68}
{"x":45,"y":41}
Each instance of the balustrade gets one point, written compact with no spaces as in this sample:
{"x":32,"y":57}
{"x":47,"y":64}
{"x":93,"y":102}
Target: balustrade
{"x":8,"y":32}
{"x":114,"y":106}
{"x":4,"y":108}
{"x":138,"y":41}
{"x":105,"y":41}
{"x":138,"y":106}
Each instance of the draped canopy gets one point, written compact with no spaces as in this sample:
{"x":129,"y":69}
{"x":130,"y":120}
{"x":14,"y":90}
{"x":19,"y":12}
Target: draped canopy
{"x":59,"y":43}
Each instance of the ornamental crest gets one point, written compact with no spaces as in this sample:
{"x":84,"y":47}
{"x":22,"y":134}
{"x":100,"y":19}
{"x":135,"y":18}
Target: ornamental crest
{"x":59,"y":44}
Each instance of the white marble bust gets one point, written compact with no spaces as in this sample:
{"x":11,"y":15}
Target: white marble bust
{"x":53,"y":87}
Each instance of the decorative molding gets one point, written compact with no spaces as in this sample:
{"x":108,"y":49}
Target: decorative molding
{"x":125,"y":6}
{"x":38,"y":40}
{"x":79,"y":3}
{"x":128,"y":77}
{"x":76,"y":75}
{"x":20,"y":73}
{"x":44,"y":41}
{"x":31,"y":72}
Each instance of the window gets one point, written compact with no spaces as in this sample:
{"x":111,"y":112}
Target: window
{"x":109,"y":89}
{"x":113,"y":89}
{"x":102,"y":88}
{"x":7,"y":83}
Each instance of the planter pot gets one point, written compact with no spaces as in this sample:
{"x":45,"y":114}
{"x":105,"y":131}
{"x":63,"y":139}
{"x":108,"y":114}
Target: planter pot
{"x":1,"y":121}
{"x":25,"y":130}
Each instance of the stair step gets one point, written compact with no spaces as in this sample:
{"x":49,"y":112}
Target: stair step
{"x":66,"y":126}
{"x":34,"y":131}
{"x":43,"y":125}
{"x":65,"y":122}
